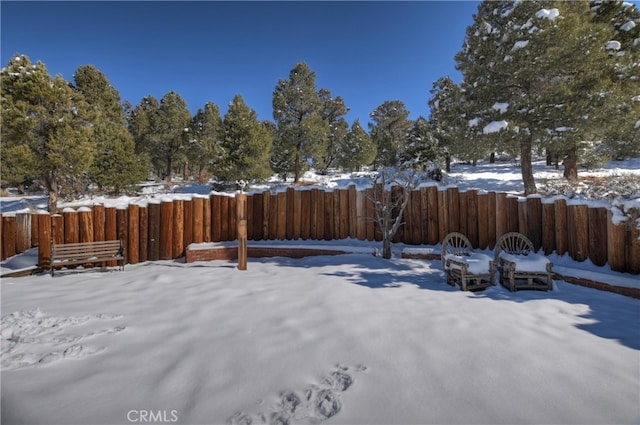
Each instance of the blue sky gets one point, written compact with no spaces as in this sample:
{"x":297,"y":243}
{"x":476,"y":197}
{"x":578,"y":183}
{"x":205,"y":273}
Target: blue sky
{"x":366,"y":52}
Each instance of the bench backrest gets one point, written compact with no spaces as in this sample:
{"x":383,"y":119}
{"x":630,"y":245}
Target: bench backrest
{"x":100,"y":249}
{"x":456,"y":243}
{"x":514,"y":243}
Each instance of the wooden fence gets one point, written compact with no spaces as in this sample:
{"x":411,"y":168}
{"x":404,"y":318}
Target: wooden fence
{"x":161,"y":230}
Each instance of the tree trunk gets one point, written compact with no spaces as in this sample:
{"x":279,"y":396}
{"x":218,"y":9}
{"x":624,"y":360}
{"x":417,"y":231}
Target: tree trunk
{"x":52,"y":187}
{"x":492,"y":158}
{"x":296,"y":167}
{"x":527,"y":167}
{"x":447,"y":162}
{"x":169,"y":171}
{"x":571,"y":165}
{"x":386,"y":248}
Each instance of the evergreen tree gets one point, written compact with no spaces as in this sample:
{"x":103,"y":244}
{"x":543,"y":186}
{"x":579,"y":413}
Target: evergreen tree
{"x":333,"y":111}
{"x":204,"y":150}
{"x":356,"y":149}
{"x":141,"y":122}
{"x":622,"y":137}
{"x":173,"y":131}
{"x":540,"y":73}
{"x":116,"y":166}
{"x":161,"y":131}
{"x":247,"y":143}
{"x":46,"y":128}
{"x":447,"y":120}
{"x":389,"y":132}
{"x":301,"y":131}
{"x":422,"y":146}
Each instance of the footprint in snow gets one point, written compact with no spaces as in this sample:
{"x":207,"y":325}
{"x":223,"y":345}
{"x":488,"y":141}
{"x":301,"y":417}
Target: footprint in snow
{"x":318,"y":402}
{"x":31,"y":338}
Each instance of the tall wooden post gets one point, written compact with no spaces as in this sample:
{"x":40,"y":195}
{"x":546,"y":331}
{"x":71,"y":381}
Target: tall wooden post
{"x":44,"y":238}
{"x":241,"y":205}
{"x":133,"y":246}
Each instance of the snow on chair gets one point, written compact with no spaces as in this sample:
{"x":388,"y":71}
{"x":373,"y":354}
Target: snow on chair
{"x":464,"y":267}
{"x":520,"y":266}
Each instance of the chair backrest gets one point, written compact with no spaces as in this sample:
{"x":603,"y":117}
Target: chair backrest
{"x":457,"y":244}
{"x":513,"y":243}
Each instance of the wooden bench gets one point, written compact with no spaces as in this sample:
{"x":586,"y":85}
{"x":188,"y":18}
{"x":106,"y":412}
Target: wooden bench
{"x":519,"y":266}
{"x":68,"y":254}
{"x":470,"y":270}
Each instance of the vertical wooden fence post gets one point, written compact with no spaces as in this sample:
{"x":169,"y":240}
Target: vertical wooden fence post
{"x":534,"y":221}
{"x":133,"y":234}
{"x":501,"y":215}
{"x":303,"y":198}
{"x":483,"y":220}
{"x":548,"y":227}
{"x":578,"y":224}
{"x":23,"y":232}
{"x":433,"y":216}
{"x":633,"y":237}
{"x":513,"y":221}
{"x":8,"y":236}
{"x":473,"y":217}
{"x":598,"y":236}
{"x":198,"y":220}
{"x":154,"y":231}
{"x":443,"y":216}
{"x":111,"y":228}
{"x":258,"y":216}
{"x":85,"y":224}
{"x":122,"y":223}
{"x":224,"y":214}
{"x":35,"y":222}
{"x":44,"y":238}
{"x":98,"y":223}
{"x":616,"y":238}
{"x":166,"y":230}
{"x":207,"y":230}
{"x":57,"y":231}
{"x":216,"y":217}
{"x":491,"y":219}
{"x":187,"y":237}
{"x":241,"y":204}
{"x":143,"y":244}
{"x":561,"y":226}
{"x":71,"y":227}
{"x":177,"y":250}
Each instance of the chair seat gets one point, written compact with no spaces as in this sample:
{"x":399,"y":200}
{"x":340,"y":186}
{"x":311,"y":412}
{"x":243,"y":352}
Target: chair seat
{"x":530,"y":263}
{"x":478,"y":263}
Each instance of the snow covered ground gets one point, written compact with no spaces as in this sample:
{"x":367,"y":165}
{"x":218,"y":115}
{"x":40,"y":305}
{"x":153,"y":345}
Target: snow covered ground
{"x":348,"y":339}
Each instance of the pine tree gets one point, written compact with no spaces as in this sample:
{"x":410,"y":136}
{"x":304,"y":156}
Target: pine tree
{"x":539,"y":71}
{"x":356,"y":149}
{"x":301,"y":132}
{"x":141,"y":123}
{"x":204,"y":150}
{"x":116,"y":166}
{"x":173,"y":131}
{"x":389,"y":132}
{"x":161,"y":131}
{"x":622,"y":137}
{"x":52,"y":123}
{"x":333,"y":111}
{"x":247,"y":144}
{"x":422,"y":146}
{"x":447,"y":120}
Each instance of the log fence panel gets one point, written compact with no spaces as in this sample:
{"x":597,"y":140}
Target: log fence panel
{"x":598,"y":236}
{"x":163,"y":229}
